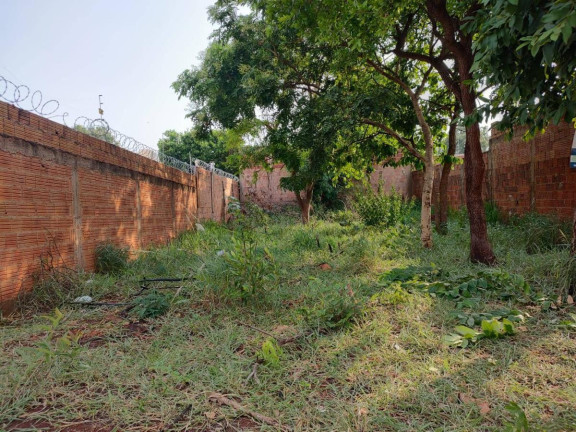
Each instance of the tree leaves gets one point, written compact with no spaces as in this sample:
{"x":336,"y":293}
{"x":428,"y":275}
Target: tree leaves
{"x":527,"y":52}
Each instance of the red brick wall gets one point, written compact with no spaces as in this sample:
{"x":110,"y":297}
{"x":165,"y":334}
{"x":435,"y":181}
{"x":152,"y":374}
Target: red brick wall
{"x":263,"y":187}
{"x":63,"y":192}
{"x":213,"y":194}
{"x":522,"y":176}
{"x":399,"y":179}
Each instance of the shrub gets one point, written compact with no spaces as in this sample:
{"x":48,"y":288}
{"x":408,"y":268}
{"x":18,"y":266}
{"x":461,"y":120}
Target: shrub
{"x":246,"y":216}
{"x":111,"y":259}
{"x":343,"y":217}
{"x":377,"y":208}
{"x":493,"y":213}
{"x":151,"y":305}
{"x":64,"y":347}
{"x":334,"y":312}
{"x":327,"y":194}
{"x":249,"y":269}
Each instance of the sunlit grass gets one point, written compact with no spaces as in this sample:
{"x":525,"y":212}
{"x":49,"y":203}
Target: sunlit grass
{"x":386,"y":371}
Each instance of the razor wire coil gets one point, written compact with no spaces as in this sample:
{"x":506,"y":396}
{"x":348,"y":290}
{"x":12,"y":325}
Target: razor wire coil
{"x":22,"y":97}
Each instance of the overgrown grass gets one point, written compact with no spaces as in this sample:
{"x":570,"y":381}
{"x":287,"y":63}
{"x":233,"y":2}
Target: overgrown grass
{"x":352,"y":352}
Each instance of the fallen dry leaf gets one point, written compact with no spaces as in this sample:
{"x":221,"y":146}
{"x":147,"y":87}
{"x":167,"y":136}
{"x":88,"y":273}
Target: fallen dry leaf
{"x":464,"y":398}
{"x":482,"y":405}
{"x":281,"y":329}
{"x":210,"y":415}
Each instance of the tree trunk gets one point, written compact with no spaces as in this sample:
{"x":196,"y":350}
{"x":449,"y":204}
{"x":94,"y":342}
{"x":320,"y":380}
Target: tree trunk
{"x":427,"y":188}
{"x":573,"y":246}
{"x":474,"y":168}
{"x":304,"y":202}
{"x":442,"y":213}
{"x":428,"y":159}
{"x":459,"y":43}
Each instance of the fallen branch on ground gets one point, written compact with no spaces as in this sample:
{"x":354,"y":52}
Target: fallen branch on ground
{"x":179,"y":418}
{"x":165,"y":279}
{"x":96,"y":303}
{"x":223,"y":400}
{"x":253,"y":375}
{"x":256,"y":328}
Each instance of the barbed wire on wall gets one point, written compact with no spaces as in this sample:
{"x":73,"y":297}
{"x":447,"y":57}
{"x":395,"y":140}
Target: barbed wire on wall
{"x":210,"y":167}
{"x":99,"y":128}
{"x":205,"y":165}
{"x":221,"y":173}
{"x":33,"y":101}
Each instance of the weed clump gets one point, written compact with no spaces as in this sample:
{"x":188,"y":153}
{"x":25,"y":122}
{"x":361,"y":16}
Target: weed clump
{"x":493,"y":212}
{"x":494,"y":328}
{"x":566,"y":275}
{"x":51,"y":287}
{"x":53,"y":348}
{"x":438,"y":283}
{"x":270,"y":353}
{"x":344,"y":217}
{"x":545,"y":233}
{"x":379,"y":209}
{"x":335,"y":311}
{"x":152,"y":305}
{"x":111,"y":259}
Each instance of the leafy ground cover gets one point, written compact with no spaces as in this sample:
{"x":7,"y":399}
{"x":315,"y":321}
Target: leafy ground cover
{"x":340,"y":327}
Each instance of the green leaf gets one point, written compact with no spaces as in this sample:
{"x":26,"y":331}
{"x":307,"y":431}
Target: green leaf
{"x":453,"y":340}
{"x":467,"y":332}
{"x":567,"y":31}
{"x":548,"y":53}
{"x":520,"y":420}
{"x":508,"y":326}
{"x":559,"y":114}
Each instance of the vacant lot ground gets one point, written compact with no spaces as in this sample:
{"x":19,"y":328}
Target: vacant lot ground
{"x":330,"y":339}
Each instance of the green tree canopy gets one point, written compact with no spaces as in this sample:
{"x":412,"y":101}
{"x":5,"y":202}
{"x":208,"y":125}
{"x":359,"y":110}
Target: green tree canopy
{"x":257,"y":76}
{"x":381,"y":29}
{"x":221,"y":147}
{"x":527,"y":51}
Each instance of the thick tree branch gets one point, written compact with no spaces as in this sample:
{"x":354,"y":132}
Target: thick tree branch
{"x":382,"y":71}
{"x":405,"y":142}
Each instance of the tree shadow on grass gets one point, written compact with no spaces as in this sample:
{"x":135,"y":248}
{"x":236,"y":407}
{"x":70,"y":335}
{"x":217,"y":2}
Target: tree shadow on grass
{"x":413,"y":383}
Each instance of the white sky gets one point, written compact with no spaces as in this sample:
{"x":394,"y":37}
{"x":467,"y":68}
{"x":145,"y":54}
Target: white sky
{"x":130,"y":51}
